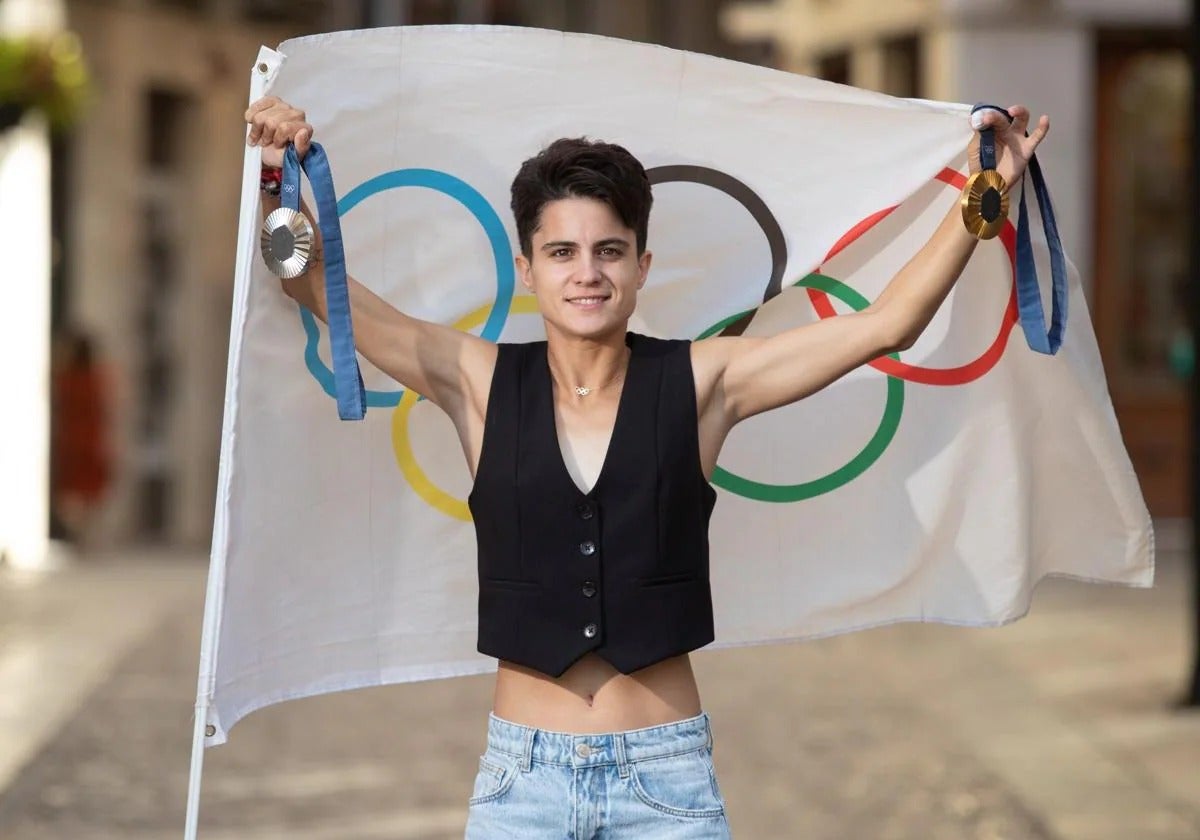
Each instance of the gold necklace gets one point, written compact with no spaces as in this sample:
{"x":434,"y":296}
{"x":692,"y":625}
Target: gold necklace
{"x":584,"y":390}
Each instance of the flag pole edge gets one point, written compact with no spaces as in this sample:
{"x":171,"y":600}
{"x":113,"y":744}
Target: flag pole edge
{"x":263,"y":72}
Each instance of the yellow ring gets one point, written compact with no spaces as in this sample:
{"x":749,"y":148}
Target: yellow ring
{"x":433,"y":495}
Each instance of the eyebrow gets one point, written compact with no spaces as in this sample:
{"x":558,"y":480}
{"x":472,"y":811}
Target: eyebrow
{"x":603,"y":243}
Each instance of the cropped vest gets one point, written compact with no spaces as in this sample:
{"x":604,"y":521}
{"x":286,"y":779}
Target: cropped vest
{"x":622,"y":570}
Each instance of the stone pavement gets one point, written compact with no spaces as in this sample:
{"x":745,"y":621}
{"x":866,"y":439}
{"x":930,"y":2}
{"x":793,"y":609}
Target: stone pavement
{"x":1054,"y":728}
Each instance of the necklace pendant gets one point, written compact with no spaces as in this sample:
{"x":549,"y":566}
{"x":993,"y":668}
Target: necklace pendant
{"x":582,"y":391}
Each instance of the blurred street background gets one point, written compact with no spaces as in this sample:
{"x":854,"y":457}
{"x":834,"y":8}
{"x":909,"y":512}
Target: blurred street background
{"x":116,"y":264}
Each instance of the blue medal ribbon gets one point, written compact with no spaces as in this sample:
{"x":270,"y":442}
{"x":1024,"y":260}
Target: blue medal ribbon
{"x":347,"y":378}
{"x":1029,"y":298}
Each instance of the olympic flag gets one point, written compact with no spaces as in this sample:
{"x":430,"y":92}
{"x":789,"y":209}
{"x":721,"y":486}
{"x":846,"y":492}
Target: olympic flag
{"x":937,"y":485}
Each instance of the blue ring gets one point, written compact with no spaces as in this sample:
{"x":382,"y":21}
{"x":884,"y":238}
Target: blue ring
{"x":468,"y":197}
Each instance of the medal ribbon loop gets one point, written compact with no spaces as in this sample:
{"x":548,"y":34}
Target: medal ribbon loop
{"x":1029,"y":298}
{"x":347,"y":378}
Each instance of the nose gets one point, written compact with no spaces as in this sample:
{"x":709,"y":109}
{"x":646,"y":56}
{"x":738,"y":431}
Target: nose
{"x":590,"y":271}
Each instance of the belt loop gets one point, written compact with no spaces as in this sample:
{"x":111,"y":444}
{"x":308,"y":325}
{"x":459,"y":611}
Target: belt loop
{"x":708,"y":732}
{"x":619,"y":749}
{"x":527,"y":755}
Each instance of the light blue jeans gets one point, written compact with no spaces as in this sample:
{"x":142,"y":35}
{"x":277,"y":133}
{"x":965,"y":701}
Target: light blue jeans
{"x":647,"y":784}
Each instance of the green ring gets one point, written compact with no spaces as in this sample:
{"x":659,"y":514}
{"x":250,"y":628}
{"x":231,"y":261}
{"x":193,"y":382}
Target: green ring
{"x":857,"y":465}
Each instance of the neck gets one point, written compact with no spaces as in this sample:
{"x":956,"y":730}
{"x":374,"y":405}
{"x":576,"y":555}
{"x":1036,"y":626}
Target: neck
{"x":586,"y":363}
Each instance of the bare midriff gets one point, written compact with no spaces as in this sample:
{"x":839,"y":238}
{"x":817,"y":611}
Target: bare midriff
{"x":594,"y":697}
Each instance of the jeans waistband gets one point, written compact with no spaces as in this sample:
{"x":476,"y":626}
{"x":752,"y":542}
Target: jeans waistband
{"x":619,"y":748}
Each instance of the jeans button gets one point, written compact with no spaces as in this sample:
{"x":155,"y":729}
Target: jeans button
{"x":587,"y":548}
{"x":589,"y":632}
{"x":583,"y":750}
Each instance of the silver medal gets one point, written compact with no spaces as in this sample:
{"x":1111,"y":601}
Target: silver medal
{"x":286,"y":241}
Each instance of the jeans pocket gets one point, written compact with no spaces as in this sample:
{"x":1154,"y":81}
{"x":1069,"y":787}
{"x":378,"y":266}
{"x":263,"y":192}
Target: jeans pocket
{"x":680,"y":785}
{"x":493,"y":780}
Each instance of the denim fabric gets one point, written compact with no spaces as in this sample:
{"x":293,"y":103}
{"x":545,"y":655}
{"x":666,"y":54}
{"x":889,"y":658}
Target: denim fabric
{"x":649,"y":784}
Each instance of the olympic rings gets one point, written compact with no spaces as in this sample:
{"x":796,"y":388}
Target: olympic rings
{"x":818,"y":286}
{"x":433,"y":495}
{"x":480,"y":208}
{"x":856,"y":466}
{"x":915,"y":373}
{"x":758,"y":210}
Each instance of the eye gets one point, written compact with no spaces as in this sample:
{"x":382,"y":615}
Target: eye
{"x":559,"y":253}
{"x":614,"y":253}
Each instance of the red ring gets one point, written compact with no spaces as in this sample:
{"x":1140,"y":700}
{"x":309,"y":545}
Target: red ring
{"x":916,"y":373}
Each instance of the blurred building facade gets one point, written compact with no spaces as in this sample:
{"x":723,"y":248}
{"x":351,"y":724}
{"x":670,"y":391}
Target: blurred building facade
{"x":1115,"y":76}
{"x":146,"y":189}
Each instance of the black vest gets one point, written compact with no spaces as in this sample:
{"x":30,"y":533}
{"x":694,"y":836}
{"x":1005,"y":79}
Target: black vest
{"x":622,"y":570}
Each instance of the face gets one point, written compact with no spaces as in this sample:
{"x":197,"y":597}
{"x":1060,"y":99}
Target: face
{"x":584,"y":269}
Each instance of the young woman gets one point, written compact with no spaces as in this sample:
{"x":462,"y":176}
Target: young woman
{"x":591,"y":453}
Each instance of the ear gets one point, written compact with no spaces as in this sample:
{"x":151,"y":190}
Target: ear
{"x":525,"y":272}
{"x":644,"y":267}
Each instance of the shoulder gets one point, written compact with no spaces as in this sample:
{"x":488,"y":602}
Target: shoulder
{"x":710,"y":359}
{"x":710,"y":356}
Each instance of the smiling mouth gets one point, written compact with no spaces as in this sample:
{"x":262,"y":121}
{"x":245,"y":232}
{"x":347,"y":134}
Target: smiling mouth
{"x":587,"y":301}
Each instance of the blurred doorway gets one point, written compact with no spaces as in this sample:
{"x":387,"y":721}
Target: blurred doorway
{"x":1142,"y":253}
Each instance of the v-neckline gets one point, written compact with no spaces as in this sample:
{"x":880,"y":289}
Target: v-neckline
{"x":562,"y":461}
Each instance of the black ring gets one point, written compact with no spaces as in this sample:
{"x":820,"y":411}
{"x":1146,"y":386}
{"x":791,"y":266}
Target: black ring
{"x":755,"y":206}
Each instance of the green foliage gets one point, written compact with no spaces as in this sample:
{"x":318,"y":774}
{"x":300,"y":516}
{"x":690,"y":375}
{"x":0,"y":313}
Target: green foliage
{"x":46,"y":74}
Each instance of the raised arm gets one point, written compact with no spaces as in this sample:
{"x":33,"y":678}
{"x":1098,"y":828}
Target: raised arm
{"x":739,"y":377}
{"x":451,"y":368}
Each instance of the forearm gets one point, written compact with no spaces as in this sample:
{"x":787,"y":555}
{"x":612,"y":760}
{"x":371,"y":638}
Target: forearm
{"x":912,"y":298}
{"x":422,"y":355}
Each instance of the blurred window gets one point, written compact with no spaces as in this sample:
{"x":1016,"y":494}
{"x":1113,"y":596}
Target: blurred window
{"x":164,"y":229}
{"x":835,"y":67}
{"x":310,"y":14}
{"x":1142,"y":252}
{"x":188,"y":5}
{"x":902,"y":66}
{"x":1147,"y":241}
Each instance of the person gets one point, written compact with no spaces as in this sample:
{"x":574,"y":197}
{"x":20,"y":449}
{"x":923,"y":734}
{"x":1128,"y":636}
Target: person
{"x":590,"y":454}
{"x":81,"y":457}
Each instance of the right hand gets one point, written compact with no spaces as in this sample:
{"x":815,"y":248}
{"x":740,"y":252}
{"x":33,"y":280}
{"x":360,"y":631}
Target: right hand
{"x":273,"y":124}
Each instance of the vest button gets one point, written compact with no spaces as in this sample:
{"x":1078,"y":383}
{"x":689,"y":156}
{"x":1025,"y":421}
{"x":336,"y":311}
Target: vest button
{"x":587,"y":548}
{"x":585,"y":510}
{"x":589,"y":632}
{"x":589,"y":589}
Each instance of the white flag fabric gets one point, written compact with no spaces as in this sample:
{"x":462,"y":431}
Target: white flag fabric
{"x":940,"y":485}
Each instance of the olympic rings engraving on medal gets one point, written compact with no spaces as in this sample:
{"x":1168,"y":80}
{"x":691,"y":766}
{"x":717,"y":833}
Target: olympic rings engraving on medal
{"x":962,"y":374}
{"x":479,"y":207}
{"x":433,"y":495}
{"x":856,"y":466}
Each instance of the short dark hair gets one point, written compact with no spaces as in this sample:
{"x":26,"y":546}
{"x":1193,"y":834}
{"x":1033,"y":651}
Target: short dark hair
{"x":581,"y":168}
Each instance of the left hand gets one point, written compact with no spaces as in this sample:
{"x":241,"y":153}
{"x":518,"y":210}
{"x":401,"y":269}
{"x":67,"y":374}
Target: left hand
{"x":1013,"y":148}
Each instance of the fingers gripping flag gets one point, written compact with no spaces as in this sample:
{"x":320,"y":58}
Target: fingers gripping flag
{"x":939,"y":484}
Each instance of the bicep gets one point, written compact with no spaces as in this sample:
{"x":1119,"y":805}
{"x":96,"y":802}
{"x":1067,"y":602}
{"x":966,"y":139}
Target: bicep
{"x":759,"y":374}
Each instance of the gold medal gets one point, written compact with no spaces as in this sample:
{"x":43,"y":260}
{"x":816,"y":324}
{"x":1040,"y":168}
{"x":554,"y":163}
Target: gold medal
{"x":985,"y":204}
